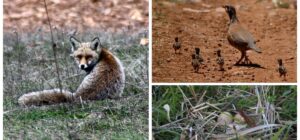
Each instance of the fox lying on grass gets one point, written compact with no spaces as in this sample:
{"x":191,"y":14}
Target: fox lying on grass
{"x":105,"y":77}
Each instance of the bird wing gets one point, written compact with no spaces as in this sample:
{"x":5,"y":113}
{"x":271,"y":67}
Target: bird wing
{"x":176,"y":45}
{"x":241,"y":36}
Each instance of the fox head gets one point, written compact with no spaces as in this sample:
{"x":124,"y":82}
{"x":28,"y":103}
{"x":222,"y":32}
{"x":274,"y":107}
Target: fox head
{"x":86,"y":54}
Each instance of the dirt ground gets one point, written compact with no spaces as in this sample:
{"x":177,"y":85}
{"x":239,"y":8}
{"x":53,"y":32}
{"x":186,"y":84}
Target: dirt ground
{"x":204,"y":24}
{"x":110,"y":16}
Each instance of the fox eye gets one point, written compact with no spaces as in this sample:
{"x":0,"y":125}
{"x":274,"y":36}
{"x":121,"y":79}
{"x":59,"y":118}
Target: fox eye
{"x":88,"y":57}
{"x":79,"y":56}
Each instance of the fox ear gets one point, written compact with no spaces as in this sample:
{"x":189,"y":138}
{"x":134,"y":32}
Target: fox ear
{"x":95,"y":45}
{"x":74,"y":43}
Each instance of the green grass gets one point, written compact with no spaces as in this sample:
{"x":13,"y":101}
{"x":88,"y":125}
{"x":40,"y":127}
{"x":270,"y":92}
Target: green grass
{"x":29,"y":66}
{"x":183,"y":101}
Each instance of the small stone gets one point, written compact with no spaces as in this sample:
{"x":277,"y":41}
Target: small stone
{"x":220,"y":9}
{"x":238,"y":73}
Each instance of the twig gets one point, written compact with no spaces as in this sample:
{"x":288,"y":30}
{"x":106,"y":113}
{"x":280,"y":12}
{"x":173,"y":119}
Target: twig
{"x":246,"y":132}
{"x":18,"y":46}
{"x":174,"y":122}
{"x":184,"y":97}
{"x":53,"y":47}
{"x":193,"y":93}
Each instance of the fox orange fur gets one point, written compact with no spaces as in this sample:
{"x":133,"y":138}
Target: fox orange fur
{"x":105,"y":77}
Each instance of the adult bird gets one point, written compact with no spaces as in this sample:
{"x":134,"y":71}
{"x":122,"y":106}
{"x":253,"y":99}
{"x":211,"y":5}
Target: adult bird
{"x":239,"y":37}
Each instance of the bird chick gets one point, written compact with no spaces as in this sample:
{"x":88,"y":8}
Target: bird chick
{"x":176,"y":45}
{"x":281,"y":69}
{"x":198,"y":55}
{"x":239,"y":37}
{"x":220,"y":60}
{"x":195,"y":63}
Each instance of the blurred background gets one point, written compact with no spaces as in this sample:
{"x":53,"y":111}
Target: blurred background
{"x":112,"y":15}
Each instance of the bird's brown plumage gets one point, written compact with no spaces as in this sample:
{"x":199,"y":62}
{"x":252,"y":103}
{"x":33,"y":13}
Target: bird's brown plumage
{"x":238,"y":36}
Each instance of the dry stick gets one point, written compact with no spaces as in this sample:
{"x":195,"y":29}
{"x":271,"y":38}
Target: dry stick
{"x":53,"y":48}
{"x":193,"y":93}
{"x":19,"y":55}
{"x":184,"y":97}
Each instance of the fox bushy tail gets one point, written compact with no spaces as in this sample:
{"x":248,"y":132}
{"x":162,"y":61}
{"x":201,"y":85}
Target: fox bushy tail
{"x":52,"y":96}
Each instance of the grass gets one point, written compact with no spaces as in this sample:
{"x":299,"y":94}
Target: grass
{"x":29,"y":66}
{"x":194,"y":112}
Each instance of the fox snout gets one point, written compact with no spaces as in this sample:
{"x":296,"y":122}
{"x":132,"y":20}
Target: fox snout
{"x":83,"y":63}
{"x":86,"y":54}
{"x":83,"y":66}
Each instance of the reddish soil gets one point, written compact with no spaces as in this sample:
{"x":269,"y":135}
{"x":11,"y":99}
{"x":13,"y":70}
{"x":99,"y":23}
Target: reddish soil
{"x":105,"y":15}
{"x":204,"y":24}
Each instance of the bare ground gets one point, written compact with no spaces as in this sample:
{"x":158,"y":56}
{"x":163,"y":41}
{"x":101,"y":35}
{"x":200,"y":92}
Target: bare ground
{"x":112,"y":16}
{"x":204,"y":24}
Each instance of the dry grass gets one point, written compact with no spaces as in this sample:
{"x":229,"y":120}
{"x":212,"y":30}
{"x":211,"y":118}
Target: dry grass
{"x":195,"y":110}
{"x":29,"y":66}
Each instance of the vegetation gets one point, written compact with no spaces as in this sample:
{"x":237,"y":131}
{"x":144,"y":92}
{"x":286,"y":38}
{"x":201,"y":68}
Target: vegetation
{"x":29,"y":66}
{"x":195,"y":111}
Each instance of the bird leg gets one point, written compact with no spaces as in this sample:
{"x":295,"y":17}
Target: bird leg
{"x":242,"y":56}
{"x":247,"y":60}
{"x":221,"y":68}
{"x":284,"y":77}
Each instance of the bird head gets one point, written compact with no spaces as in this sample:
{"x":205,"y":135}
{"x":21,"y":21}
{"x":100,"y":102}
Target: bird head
{"x":279,"y":61}
{"x":197,"y":50}
{"x":219,"y":53}
{"x":230,"y":10}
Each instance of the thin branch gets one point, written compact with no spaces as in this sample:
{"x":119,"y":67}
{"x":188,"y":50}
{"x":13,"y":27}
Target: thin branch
{"x":53,"y":47}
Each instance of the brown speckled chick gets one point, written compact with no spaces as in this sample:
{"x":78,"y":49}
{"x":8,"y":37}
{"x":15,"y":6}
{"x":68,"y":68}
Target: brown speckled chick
{"x":198,"y":55}
{"x":176,"y":45}
{"x":220,"y":60}
{"x":281,"y":69}
{"x":239,"y":37}
{"x":195,"y":63}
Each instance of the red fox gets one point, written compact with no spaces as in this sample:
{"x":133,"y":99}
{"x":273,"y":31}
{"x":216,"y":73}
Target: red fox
{"x":105,"y":77}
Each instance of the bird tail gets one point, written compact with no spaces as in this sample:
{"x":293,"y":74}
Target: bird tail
{"x":258,"y":50}
{"x":52,"y":96}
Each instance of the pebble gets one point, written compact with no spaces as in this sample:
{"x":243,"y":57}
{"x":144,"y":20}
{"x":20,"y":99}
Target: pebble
{"x":220,"y":9}
{"x":238,"y":73}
